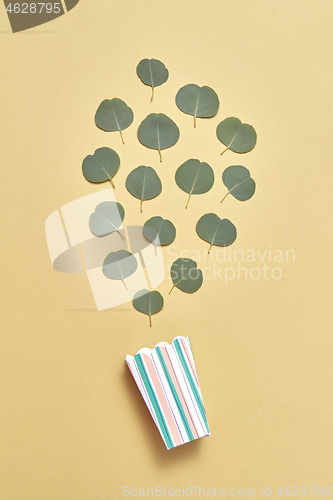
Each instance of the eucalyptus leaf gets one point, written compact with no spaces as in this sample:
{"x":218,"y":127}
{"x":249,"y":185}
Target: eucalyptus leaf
{"x":143,"y":183}
{"x":186,"y":276}
{"x":101,"y":166}
{"x":216,"y":231}
{"x":152,"y":72}
{"x":194,"y":177}
{"x":237,"y":136}
{"x":107,"y":218}
{"x":148,"y":302}
{"x":197,"y":101}
{"x":119,"y":265}
{"x":159,"y":231}
{"x":158,"y":131}
{"x":239,"y":182}
{"x":114,"y":115}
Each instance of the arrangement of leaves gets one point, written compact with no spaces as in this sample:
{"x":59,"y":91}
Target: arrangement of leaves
{"x":216,"y":231}
{"x":107,"y":218}
{"x":120,"y":265}
{"x":158,"y":131}
{"x":148,"y":302}
{"x":185,"y":275}
{"x":197,"y":101}
{"x":152,"y":72}
{"x":239,"y":182}
{"x":159,"y":231}
{"x":101,"y":166}
{"x":237,"y":136}
{"x":143,"y":183}
{"x":114,"y":115}
{"x":194,"y":177}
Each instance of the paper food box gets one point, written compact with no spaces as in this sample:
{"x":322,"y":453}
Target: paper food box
{"x":167,"y":379}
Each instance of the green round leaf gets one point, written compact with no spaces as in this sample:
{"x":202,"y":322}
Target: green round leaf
{"x":194,"y":177}
{"x":101,"y":166}
{"x":152,"y":72}
{"x":186,"y":276}
{"x":239,"y":182}
{"x":119,"y":265}
{"x":114,"y":115}
{"x":107,"y":218}
{"x":158,"y":131}
{"x":197,"y":101}
{"x":144,"y":183}
{"x":216,"y":231}
{"x":160,"y":231}
{"x":148,"y":302}
{"x":237,"y":136}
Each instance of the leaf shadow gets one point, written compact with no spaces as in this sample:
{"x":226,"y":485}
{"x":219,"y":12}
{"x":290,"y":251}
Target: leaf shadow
{"x":152,"y":436}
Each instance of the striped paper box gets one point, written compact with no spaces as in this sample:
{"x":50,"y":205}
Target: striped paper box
{"x":167,"y":379}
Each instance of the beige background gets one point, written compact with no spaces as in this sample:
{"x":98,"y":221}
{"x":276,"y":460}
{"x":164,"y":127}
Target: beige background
{"x":73,"y":425}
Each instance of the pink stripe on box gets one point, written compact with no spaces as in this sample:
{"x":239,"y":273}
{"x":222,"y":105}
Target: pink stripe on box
{"x":161,"y":396}
{"x":175,"y":382}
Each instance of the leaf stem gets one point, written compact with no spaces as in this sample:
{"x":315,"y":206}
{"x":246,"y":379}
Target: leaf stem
{"x":226,"y":149}
{"x":124,"y":284}
{"x":210,"y":247}
{"x":141,"y":205}
{"x":159,"y":152}
{"x":150,"y":321}
{"x":188,"y":201}
{"x":123,"y":237}
{"x":152,"y":94}
{"x":225,"y":196}
{"x":114,"y":187}
{"x":195,"y":121}
{"x":171,"y":289}
{"x":121,"y":135}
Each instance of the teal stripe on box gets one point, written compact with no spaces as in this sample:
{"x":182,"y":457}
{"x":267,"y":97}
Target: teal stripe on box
{"x":191,"y":381}
{"x":154,"y":401}
{"x":175,"y":395}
